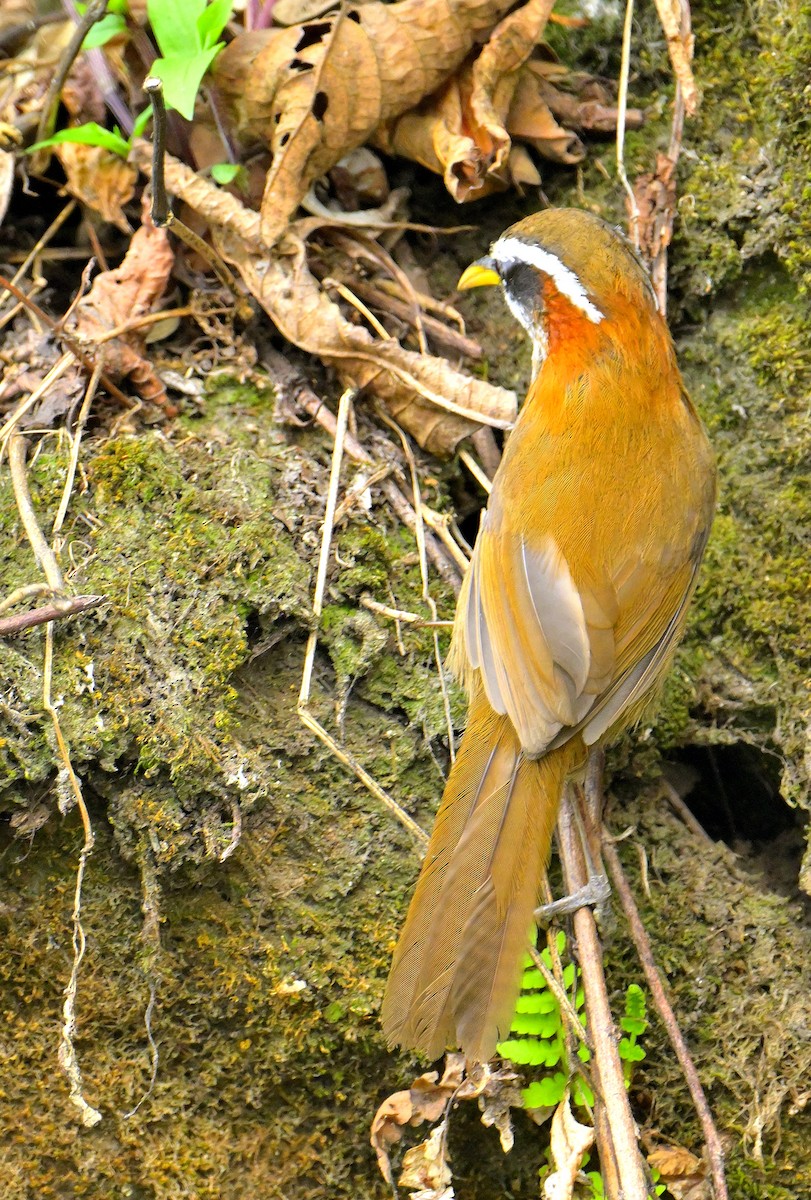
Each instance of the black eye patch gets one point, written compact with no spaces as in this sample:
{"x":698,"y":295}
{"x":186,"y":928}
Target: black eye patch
{"x":523,"y":284}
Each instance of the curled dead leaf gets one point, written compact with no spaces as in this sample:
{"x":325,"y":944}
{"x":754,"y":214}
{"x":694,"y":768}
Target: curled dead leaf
{"x":466,"y":133}
{"x":425,"y":1100}
{"x":569,"y":1142}
{"x":101,"y":180}
{"x":683,"y":1173}
{"x":434,"y":402}
{"x":425,"y":1167}
{"x":494,"y":76}
{"x":119,"y":297}
{"x":315,"y":91}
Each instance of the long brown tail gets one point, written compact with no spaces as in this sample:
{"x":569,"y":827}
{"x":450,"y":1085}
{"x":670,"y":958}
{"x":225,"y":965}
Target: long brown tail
{"x":456,"y":973}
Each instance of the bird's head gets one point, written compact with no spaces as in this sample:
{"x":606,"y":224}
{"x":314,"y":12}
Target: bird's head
{"x":564,"y":273}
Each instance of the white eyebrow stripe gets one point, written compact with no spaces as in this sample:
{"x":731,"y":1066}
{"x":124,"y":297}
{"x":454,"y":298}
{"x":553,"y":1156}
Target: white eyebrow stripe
{"x":511,"y":250}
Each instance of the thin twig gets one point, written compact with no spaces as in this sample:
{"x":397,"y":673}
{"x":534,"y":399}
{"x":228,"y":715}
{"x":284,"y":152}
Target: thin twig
{"x":81,"y":421}
{"x":26,"y":592}
{"x":346,"y":294}
{"x":622,"y":105}
{"x":675,"y":18}
{"x":161,"y":210}
{"x":309,"y":658}
{"x":17,"y":451}
{"x":715,"y":1152}
{"x":441,"y":525}
{"x":617,"y":1134}
{"x":568,"y":1011}
{"x":93,"y":13}
{"x":163,"y":216}
{"x":426,"y":593}
{"x":67,"y":1051}
{"x":483,"y":480}
{"x":440,"y":333}
{"x":69,"y":606}
{"x":399,"y":614}
{"x":683,"y":812}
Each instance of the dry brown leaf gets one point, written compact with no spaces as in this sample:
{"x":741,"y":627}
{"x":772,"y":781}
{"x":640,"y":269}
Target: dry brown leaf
{"x":295,"y":12}
{"x":434,"y":402}
{"x":530,"y":119}
{"x":500,"y":1094}
{"x":548,"y":106}
{"x":122,"y":295}
{"x":494,"y":76}
{"x":461,"y":132}
{"x":82,"y":95}
{"x":569,"y":1142}
{"x":100,"y":179}
{"x":579,"y":100}
{"x":446,"y":133}
{"x":683,"y":1173}
{"x":315,"y":91}
{"x":425,"y":1100}
{"x":425,"y":1167}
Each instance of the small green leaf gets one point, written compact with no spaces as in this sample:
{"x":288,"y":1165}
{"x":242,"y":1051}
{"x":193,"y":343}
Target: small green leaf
{"x":568,"y":975}
{"x":597,"y":1186}
{"x":181,"y":78}
{"x":104,"y":31}
{"x":174,"y":24}
{"x":550,"y":1053}
{"x":225,"y":173}
{"x":583,"y":1053}
{"x":629,"y":1051}
{"x":536,"y":1002}
{"x":531,"y":1096}
{"x":635,"y":1001}
{"x":527,"y":1024}
{"x":635,"y":1025}
{"x":141,"y":121}
{"x":532,"y":978}
{"x":517,"y":1050}
{"x":90,"y":134}
{"x":547,"y":1092}
{"x":212,"y":21}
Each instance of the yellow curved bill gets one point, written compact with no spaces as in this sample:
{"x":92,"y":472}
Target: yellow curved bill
{"x":478,"y":274}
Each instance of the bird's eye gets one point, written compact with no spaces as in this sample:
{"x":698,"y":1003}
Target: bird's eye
{"x":523,"y":285}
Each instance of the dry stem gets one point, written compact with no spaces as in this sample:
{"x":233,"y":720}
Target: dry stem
{"x":622,"y":105}
{"x":309,"y":658}
{"x":715,"y":1151}
{"x":614,"y":1123}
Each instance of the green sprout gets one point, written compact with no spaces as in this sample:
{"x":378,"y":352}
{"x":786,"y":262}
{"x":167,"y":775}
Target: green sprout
{"x":187,"y":33}
{"x":112,"y":24}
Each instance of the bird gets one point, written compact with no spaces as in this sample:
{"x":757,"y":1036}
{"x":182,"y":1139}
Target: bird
{"x":568,"y":617}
